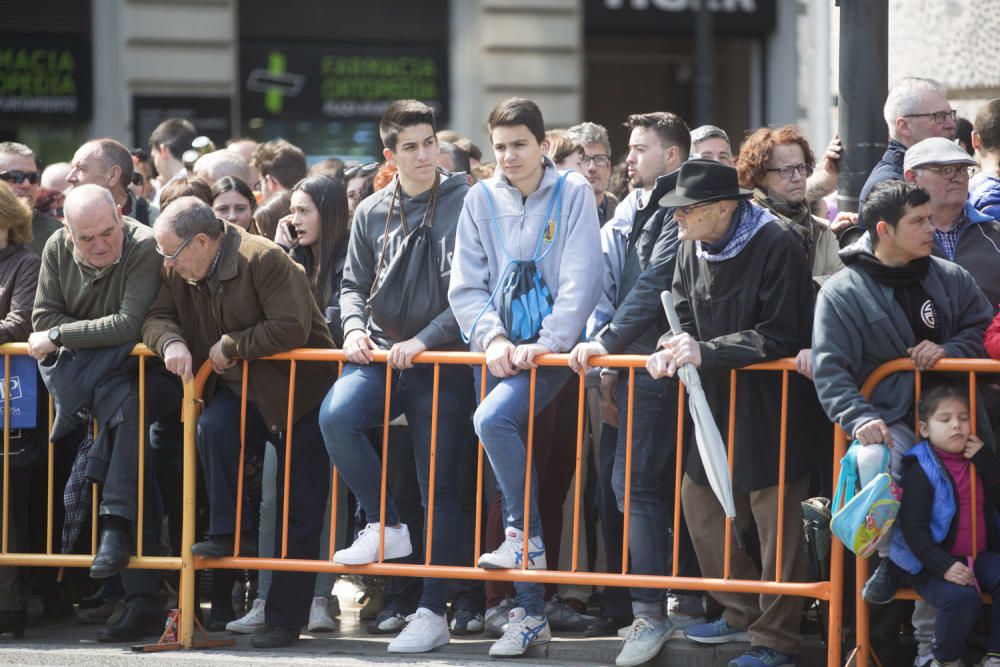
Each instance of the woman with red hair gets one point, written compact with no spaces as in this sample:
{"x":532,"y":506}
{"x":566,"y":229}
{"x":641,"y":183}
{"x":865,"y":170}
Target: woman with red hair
{"x":775,"y":163}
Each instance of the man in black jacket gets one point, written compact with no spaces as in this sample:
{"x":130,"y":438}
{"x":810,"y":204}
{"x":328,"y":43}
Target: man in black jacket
{"x":658,"y":145}
{"x":743,"y":295}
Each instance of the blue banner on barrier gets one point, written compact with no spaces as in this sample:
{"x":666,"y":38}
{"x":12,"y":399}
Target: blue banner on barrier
{"x":23,"y":392}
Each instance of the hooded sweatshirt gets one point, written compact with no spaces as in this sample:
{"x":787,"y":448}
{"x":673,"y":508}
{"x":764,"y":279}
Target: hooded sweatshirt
{"x":571,"y":269}
{"x":860,"y":325}
{"x":368,"y":234}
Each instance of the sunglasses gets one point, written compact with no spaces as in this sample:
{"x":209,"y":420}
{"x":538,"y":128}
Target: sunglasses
{"x":361,"y":170}
{"x":17,"y":176}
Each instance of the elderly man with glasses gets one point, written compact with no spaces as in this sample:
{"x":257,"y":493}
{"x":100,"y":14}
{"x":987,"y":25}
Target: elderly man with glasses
{"x":915,"y":109}
{"x":19,"y":170}
{"x":961,"y":233}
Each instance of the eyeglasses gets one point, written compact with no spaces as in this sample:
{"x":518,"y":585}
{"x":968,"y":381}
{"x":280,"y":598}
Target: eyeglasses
{"x":599,"y":160}
{"x":938,"y":116}
{"x":949,"y":171}
{"x":691,"y":208}
{"x":177,"y":253}
{"x":785,"y":173}
{"x":17,"y":176}
{"x":360,"y":170}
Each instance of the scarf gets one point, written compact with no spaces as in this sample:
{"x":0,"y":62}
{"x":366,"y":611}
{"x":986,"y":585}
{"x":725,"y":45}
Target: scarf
{"x":747,"y":221}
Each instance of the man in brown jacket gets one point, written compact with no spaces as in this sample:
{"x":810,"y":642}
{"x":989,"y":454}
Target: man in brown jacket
{"x":228,"y":296}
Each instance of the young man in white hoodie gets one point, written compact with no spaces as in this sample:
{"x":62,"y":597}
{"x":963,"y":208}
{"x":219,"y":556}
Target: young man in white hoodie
{"x":527,"y":212}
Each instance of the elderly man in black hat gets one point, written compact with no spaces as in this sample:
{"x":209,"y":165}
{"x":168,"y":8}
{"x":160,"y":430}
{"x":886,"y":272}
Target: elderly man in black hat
{"x":744,"y":296}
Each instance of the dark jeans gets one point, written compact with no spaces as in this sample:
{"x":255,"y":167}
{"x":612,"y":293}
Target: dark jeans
{"x":219,"y":452}
{"x":959,"y":607}
{"x":356,"y":404}
{"x":615,"y":600}
{"x":654,"y":451}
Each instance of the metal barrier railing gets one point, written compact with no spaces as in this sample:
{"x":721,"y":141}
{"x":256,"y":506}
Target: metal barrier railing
{"x":829,"y":591}
{"x":184,"y":563}
{"x":862,"y":649}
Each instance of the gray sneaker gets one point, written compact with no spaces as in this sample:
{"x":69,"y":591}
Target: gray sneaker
{"x":496,"y":617}
{"x":564,"y":618}
{"x":644,"y":640}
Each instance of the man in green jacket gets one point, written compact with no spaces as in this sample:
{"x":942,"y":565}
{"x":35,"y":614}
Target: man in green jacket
{"x":98,"y":278}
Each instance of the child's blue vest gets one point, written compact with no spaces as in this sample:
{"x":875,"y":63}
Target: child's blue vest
{"x":942,"y":514}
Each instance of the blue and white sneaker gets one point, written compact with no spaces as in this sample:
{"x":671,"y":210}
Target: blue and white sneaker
{"x":523,"y":630}
{"x":716,"y":632}
{"x":762,"y":656}
{"x":508,"y":555}
{"x":643,"y":641}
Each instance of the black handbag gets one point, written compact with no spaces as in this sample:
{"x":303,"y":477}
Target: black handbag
{"x":409,"y":294}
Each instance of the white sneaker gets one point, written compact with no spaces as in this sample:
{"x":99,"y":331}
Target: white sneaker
{"x":252,"y":622}
{"x":508,"y":555}
{"x":365,"y":548}
{"x":319,"y":617}
{"x":522,"y":631}
{"x":424,"y":631}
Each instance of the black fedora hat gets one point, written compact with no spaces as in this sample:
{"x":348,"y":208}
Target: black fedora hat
{"x":704,"y":181}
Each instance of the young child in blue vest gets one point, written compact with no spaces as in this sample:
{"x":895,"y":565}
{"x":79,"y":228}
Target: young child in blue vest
{"x":935,"y":541}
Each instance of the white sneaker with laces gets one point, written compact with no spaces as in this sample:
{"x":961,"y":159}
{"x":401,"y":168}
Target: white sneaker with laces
{"x":319,"y":617}
{"x":509,"y":554}
{"x":424,"y":632}
{"x":252,"y":622}
{"x":365,"y":548}
{"x":522,"y":631}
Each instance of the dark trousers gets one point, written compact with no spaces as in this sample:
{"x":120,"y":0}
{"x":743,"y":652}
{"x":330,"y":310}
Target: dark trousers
{"x":959,"y":607}
{"x":219,"y":452}
{"x":654,"y":457}
{"x":120,"y":490}
{"x":615,"y":600}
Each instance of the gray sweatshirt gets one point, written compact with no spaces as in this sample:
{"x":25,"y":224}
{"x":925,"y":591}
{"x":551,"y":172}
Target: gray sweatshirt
{"x":572,"y":270}
{"x":365,"y":246}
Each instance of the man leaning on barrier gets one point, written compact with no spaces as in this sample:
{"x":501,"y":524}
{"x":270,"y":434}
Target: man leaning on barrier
{"x":892,"y":300}
{"x":98,"y":278}
{"x":744,"y":295}
{"x":229,"y":296}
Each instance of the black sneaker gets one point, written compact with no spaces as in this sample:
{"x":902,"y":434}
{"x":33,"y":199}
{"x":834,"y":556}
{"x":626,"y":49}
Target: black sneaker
{"x":467,"y":622}
{"x":275,"y":636}
{"x":881,"y":587}
{"x":388,"y":621}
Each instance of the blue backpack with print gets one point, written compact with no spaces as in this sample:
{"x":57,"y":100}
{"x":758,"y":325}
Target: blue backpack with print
{"x":525,"y":299}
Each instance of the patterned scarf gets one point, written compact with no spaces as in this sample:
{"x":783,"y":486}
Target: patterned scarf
{"x":749,"y":220}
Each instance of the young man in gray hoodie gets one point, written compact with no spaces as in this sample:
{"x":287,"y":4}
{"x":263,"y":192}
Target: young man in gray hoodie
{"x":418,"y":195}
{"x":528,"y":211}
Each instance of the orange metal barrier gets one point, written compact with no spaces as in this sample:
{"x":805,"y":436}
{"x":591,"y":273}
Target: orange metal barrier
{"x":183,"y":562}
{"x":862,"y":649}
{"x":829,"y":591}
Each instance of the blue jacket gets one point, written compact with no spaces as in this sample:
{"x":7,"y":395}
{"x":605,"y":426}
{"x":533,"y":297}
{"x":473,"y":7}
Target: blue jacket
{"x":984,"y":195}
{"x":978,"y":252}
{"x":889,"y":168}
{"x":926,"y":528}
{"x":942,"y":510}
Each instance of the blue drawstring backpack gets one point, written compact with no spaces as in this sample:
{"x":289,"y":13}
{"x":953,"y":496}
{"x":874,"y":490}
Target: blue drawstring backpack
{"x":525,"y":299}
{"x":869,"y":514}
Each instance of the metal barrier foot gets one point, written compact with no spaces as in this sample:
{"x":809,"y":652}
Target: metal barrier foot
{"x":169,"y":639}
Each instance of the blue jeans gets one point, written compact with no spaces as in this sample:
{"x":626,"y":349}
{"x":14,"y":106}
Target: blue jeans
{"x":501,"y":421}
{"x":959,"y":607}
{"x":356,"y":404}
{"x":654,"y":451}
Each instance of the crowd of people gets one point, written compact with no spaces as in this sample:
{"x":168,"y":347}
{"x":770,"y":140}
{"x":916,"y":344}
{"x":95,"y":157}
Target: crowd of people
{"x":233,"y":254}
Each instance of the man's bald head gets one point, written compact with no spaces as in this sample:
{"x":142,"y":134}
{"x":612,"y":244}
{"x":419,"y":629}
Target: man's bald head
{"x":95,"y":225}
{"x":219,"y":164}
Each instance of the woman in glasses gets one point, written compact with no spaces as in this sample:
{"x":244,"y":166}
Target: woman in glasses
{"x":775,"y":163}
{"x":18,"y":280}
{"x":233,"y":201}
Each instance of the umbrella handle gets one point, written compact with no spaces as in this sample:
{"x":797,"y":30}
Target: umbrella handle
{"x":668,"y":307}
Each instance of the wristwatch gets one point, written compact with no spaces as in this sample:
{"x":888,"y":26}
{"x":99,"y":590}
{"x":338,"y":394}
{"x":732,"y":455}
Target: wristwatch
{"x":54,"y":336}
